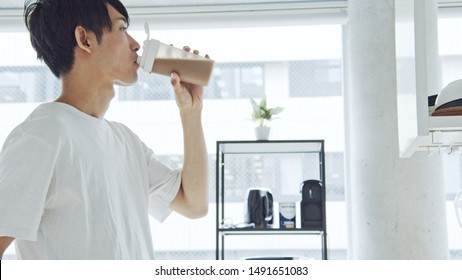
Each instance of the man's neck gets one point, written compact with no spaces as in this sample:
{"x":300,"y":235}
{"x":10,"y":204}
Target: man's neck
{"x":87,"y":95}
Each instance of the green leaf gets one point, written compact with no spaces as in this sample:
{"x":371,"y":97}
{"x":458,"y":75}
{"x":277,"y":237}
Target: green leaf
{"x":255,"y":105}
{"x":263,"y":103}
{"x":277,"y":110}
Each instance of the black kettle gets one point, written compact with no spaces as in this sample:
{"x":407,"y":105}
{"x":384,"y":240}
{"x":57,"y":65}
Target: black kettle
{"x":259,"y":207}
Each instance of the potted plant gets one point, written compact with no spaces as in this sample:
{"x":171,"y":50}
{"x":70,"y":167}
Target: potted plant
{"x":262,"y":115}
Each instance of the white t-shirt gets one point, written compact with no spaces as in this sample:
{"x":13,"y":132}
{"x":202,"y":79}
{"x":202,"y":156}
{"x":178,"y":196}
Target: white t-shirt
{"x":77,"y":187}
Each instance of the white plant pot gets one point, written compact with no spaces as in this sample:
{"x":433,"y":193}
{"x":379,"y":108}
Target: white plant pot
{"x":262,"y":132}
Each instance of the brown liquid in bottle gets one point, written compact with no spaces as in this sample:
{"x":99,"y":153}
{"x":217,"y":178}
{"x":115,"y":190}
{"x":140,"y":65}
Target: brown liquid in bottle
{"x":194,"y":71}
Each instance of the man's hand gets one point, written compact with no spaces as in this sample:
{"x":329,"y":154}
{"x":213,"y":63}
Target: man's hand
{"x":5,"y":241}
{"x":187,"y":95}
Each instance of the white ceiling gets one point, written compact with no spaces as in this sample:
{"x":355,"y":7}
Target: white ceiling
{"x":15,"y":4}
{"x":18,"y":4}
{"x":171,"y":14}
{"x":199,"y":13}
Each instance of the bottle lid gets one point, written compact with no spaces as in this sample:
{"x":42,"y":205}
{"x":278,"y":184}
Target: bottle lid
{"x":150,"y":49}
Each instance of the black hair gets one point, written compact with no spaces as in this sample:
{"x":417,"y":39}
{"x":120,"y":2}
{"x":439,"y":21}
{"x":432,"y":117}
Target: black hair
{"x":51,"y":24}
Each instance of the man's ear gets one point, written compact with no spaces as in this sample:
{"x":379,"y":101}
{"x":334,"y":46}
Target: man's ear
{"x":82,"y":38}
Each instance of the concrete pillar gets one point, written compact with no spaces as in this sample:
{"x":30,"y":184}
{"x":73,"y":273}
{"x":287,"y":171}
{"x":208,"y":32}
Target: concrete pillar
{"x":396,"y":206}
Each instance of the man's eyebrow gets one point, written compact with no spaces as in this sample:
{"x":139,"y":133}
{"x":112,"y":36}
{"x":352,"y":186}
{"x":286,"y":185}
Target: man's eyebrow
{"x":122,"y":18}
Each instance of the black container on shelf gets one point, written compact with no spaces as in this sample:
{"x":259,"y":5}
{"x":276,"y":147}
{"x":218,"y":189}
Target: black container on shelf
{"x":312,"y":205}
{"x":259,"y":207}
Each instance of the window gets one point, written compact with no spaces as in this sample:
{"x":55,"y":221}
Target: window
{"x":27,"y":84}
{"x":316,"y":78}
{"x":299,"y":78}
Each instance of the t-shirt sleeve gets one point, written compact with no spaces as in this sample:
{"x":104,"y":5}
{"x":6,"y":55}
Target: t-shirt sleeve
{"x":26,"y":169}
{"x":164,"y":184}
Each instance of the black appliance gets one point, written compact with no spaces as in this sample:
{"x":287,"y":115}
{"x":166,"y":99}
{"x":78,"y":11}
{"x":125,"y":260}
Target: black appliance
{"x":259,"y":207}
{"x":312,"y":206}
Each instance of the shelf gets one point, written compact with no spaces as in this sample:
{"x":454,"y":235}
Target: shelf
{"x":275,"y":231}
{"x":276,"y":165}
{"x":417,"y":69}
{"x":446,"y":123}
{"x":266,"y":147}
{"x":444,"y":137}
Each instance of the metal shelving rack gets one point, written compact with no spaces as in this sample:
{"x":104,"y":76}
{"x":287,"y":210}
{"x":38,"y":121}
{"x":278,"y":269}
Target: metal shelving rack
{"x":236,"y":148}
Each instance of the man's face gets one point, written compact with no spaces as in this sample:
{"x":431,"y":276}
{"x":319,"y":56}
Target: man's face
{"x":117,"y":51}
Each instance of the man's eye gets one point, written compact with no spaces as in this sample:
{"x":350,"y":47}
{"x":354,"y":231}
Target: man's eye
{"x":124,"y":28}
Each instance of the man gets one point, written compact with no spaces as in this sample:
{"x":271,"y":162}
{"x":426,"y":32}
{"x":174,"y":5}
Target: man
{"x":74,"y":185}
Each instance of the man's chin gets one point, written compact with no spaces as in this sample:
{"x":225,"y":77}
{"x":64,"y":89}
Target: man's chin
{"x":125,"y":83}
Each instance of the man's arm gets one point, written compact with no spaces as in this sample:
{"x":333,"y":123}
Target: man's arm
{"x":192,"y":198}
{"x":5,"y":241}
